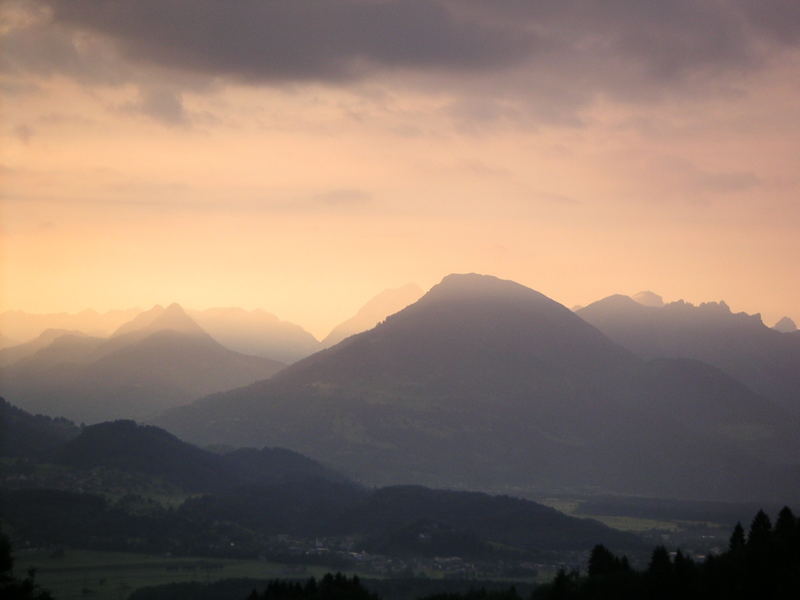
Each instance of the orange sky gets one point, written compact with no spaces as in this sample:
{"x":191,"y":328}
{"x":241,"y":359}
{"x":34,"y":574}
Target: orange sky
{"x":306,"y":195}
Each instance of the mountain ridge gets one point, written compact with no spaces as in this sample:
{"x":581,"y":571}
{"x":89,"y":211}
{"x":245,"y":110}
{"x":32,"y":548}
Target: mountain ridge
{"x":482,"y":383}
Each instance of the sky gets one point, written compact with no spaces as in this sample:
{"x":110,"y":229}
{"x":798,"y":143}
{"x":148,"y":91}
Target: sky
{"x":303,"y":156}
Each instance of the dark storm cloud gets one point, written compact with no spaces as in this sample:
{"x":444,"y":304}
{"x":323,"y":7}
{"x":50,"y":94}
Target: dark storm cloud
{"x":273,"y":40}
{"x":504,"y":58}
{"x":264,"y":40}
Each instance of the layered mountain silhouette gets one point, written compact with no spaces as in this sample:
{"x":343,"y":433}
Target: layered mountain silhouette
{"x":161,"y":358}
{"x":764,"y":359}
{"x":373,"y":312}
{"x":648,"y":298}
{"x":257,"y":332}
{"x":264,"y":492}
{"x":785,"y":325}
{"x":24,"y":326}
{"x":17,"y":352}
{"x":486,"y":384}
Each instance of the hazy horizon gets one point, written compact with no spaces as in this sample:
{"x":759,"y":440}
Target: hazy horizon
{"x":323,"y":328}
{"x":510,"y":253}
{"x":564,"y":149}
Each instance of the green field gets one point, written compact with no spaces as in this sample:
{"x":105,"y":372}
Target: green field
{"x":114,"y":575}
{"x":570,"y":507}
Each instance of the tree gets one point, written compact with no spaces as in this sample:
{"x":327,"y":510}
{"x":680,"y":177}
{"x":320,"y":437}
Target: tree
{"x":760,"y":532}
{"x":660,"y":564}
{"x":737,"y":541}
{"x":786,"y":525}
{"x":603,"y":562}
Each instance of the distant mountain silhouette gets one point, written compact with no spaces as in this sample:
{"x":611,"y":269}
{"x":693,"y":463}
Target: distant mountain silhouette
{"x":257,"y":332}
{"x":158,"y":318}
{"x":24,"y":326}
{"x":6,"y":341}
{"x":158,"y":360}
{"x":764,"y":359}
{"x":785,"y":325}
{"x":12,"y":354}
{"x":648,"y":298}
{"x":486,"y":384}
{"x":373,"y":312}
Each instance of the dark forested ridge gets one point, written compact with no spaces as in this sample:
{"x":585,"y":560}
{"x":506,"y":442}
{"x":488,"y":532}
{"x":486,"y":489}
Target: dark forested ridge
{"x":23,"y":434}
{"x":250,"y":502}
{"x":487,"y":384}
{"x":149,"y":451}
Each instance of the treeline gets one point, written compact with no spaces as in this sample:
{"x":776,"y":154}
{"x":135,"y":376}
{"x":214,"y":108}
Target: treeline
{"x":764,"y":564}
{"x":330,"y":587}
{"x":341,"y":587}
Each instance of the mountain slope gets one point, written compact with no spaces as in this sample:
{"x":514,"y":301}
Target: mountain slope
{"x":13,"y":354}
{"x":766,"y":360}
{"x":129,"y":447}
{"x":25,"y":435}
{"x":484,"y":383}
{"x":257,"y":332}
{"x":156,"y":361}
{"x":373,"y":312}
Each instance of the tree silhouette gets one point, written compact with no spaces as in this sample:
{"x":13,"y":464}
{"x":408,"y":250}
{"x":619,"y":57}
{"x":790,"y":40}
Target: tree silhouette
{"x":737,"y":541}
{"x":12,"y":588}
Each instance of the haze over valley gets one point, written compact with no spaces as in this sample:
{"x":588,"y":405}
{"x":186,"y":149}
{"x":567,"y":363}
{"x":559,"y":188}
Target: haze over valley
{"x":399,"y":300}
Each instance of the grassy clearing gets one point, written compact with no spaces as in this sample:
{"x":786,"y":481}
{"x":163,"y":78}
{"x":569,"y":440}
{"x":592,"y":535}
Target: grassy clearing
{"x":83,"y":574}
{"x":570,"y":507}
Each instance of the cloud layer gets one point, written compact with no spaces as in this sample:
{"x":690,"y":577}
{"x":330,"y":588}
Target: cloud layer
{"x":553,"y":55}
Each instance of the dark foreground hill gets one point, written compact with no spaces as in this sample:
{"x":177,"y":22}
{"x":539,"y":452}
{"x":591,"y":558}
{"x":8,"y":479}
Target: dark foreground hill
{"x":26,"y":435}
{"x":249,"y":497}
{"x":486,"y":384}
{"x":160,"y":359}
{"x":148,"y":450}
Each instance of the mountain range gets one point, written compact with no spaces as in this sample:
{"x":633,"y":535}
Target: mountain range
{"x":256,"y":332}
{"x":160,"y":358}
{"x":23,"y":326}
{"x":765,"y":359}
{"x":251,"y":493}
{"x":486,"y":384}
{"x":253,"y":332}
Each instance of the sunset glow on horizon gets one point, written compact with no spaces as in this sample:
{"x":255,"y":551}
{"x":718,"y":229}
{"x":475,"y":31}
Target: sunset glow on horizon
{"x":305,"y":173}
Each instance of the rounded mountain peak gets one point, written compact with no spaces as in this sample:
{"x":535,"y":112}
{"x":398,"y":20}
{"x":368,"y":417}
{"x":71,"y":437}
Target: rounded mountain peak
{"x":475,"y":285}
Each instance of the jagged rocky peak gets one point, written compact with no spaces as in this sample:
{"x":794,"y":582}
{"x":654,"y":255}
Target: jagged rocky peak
{"x":158,"y":318}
